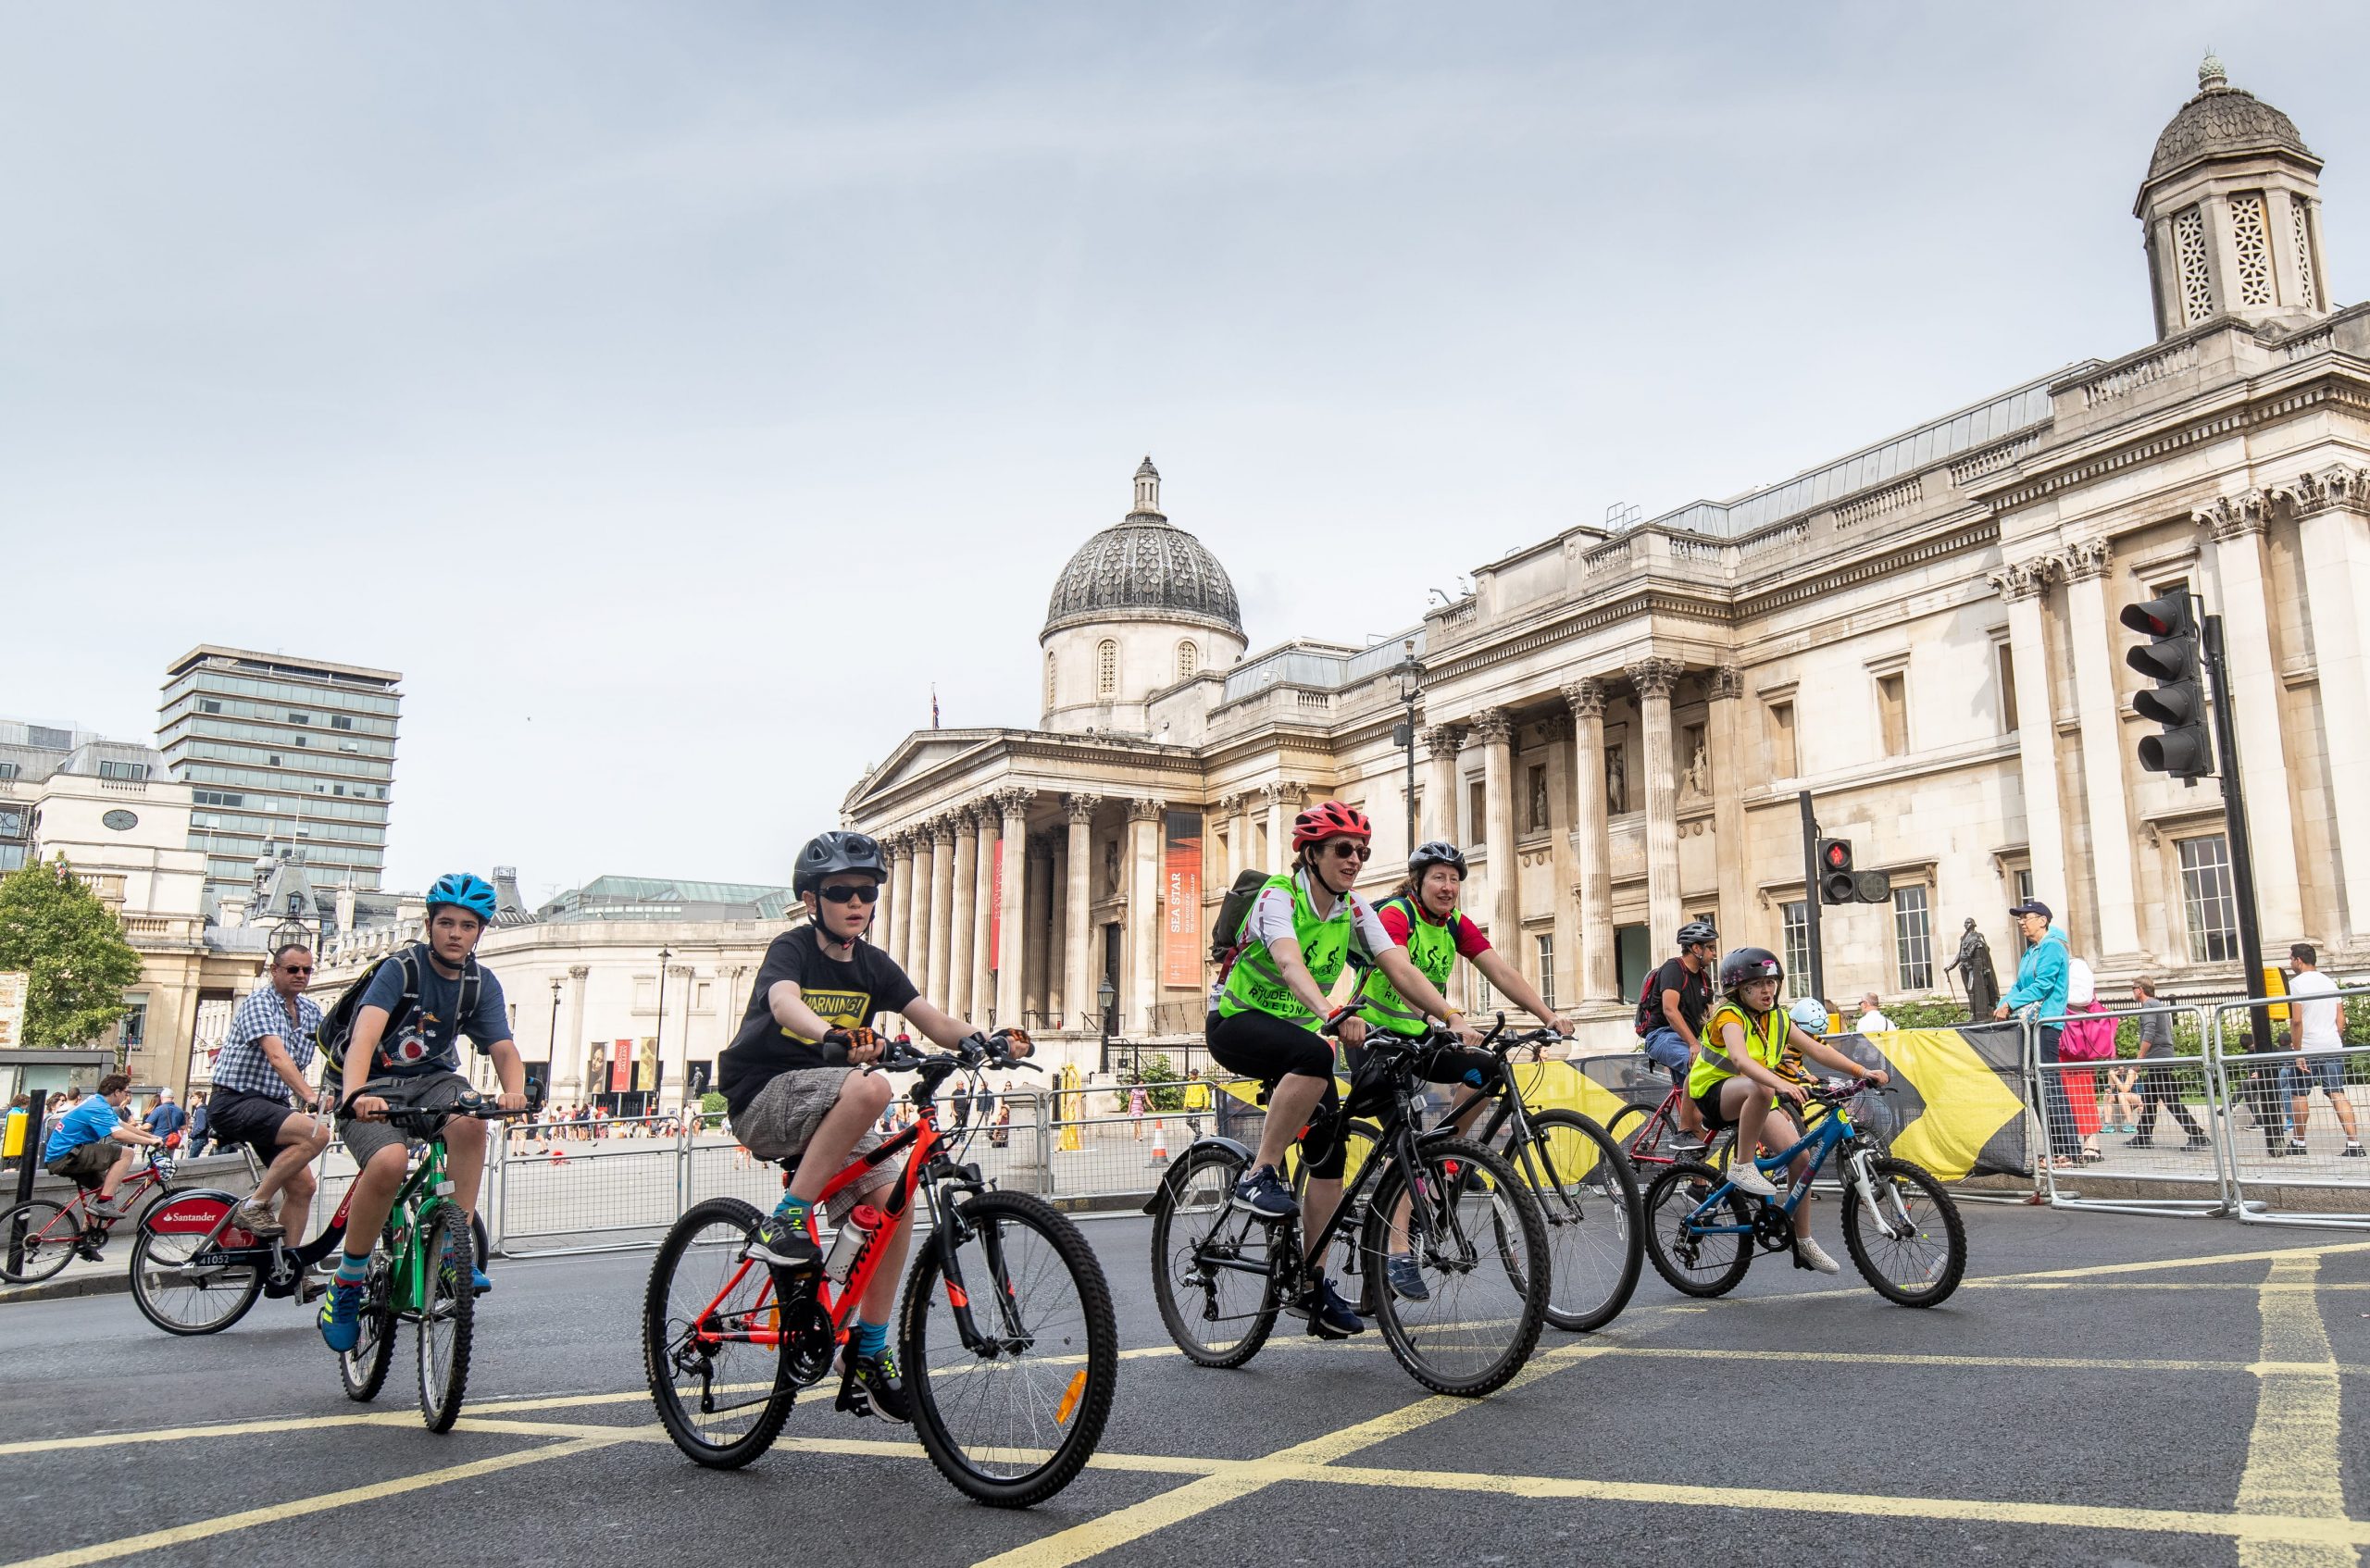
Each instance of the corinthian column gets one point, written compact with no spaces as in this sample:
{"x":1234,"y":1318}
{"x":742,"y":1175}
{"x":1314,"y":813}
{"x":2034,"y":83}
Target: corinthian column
{"x":1078,"y":984}
{"x":2110,"y":812}
{"x":984,"y":908}
{"x":1727,"y":785}
{"x":1597,"y":979}
{"x":2237,"y":529}
{"x":917,"y":920}
{"x":1654,"y":678}
{"x":963,"y":900}
{"x":1012,"y":917}
{"x":901,"y":891}
{"x":941,"y":905}
{"x":1144,"y":817}
{"x":2022,"y":584}
{"x":1494,"y":733}
{"x":1442,"y":742}
{"x":1283,"y":798}
{"x":1239,"y":856}
{"x":2331,"y":506}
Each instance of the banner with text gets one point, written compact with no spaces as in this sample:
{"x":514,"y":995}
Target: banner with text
{"x":1181,"y":928}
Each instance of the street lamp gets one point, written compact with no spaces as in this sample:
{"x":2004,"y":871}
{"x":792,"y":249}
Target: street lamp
{"x":658,"y":1041}
{"x":1109,"y":994}
{"x":1410,"y":671}
{"x":551,"y":1051}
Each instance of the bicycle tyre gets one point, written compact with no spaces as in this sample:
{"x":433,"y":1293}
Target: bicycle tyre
{"x":1632,"y":1117}
{"x":155,"y":1304}
{"x":1565,"y":1310}
{"x":1530,"y":1276}
{"x":42,"y":1260}
{"x":1954,"y":1232}
{"x":658,"y":1342}
{"x":1206,"y":1178}
{"x":1086,"y":1407}
{"x":363,"y":1370}
{"x":1675,"y":1193}
{"x":447,"y":1316}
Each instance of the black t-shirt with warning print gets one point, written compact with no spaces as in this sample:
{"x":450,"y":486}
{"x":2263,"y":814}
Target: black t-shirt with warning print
{"x":847,"y":994}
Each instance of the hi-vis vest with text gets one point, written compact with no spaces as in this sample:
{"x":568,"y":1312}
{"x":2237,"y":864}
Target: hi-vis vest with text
{"x":1254,"y":985}
{"x":1431,"y":948}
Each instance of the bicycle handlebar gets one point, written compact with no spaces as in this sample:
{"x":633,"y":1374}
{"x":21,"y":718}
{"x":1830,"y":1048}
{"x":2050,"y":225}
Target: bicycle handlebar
{"x":1004,"y":1048}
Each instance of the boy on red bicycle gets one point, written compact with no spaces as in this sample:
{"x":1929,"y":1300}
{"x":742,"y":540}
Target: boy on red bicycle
{"x":794,"y":1087}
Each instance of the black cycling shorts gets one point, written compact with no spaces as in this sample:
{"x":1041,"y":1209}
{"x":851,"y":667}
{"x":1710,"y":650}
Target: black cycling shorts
{"x":1259,"y":1045}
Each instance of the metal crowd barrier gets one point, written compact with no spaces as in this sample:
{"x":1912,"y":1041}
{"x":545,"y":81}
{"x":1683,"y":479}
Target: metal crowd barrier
{"x":2073,"y":1103}
{"x":2271,"y":1181}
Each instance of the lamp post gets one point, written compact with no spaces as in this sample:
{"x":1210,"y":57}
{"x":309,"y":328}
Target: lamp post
{"x":658,"y":1041}
{"x":1410,"y":671}
{"x":1109,"y":994}
{"x":551,"y":1049}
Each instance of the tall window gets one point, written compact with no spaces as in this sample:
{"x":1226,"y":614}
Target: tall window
{"x":1477,"y":812}
{"x":1913,"y":935}
{"x":1783,"y":762}
{"x":1106,"y":667}
{"x":2006,"y":659}
{"x":2212,"y":906}
{"x":1547,"y":970}
{"x":1794,"y":928}
{"x":1052,"y":685}
{"x":133,"y":1028}
{"x":1189,"y":659}
{"x":1534,"y":780}
{"x":1892,"y":712}
{"x":2023,"y":881}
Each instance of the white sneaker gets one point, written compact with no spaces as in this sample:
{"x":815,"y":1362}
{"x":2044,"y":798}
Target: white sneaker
{"x":1746,"y":1177}
{"x":1813,"y":1255}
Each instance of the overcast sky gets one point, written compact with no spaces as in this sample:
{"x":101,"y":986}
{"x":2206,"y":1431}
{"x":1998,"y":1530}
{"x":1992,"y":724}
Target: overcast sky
{"x":673,"y":392}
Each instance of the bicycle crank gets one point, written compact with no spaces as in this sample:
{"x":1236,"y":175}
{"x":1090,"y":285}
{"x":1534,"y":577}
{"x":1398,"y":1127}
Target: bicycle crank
{"x":1773,"y":1229}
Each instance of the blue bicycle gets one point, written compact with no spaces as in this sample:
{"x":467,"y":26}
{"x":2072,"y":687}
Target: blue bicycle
{"x":1902,"y":1230}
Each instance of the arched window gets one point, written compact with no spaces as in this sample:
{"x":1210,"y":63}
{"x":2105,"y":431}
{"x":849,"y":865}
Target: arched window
{"x":1189,"y":659}
{"x":1106,"y":667}
{"x":1052,"y":687}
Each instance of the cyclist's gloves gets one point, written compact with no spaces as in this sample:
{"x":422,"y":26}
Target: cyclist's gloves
{"x":837,"y":1042}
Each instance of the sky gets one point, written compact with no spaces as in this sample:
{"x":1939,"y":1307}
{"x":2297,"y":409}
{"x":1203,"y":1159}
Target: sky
{"x":674,"y":394}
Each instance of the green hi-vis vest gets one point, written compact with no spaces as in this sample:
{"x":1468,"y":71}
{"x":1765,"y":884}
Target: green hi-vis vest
{"x":1254,"y":985}
{"x":1765,"y":1043}
{"x":1431,"y":948}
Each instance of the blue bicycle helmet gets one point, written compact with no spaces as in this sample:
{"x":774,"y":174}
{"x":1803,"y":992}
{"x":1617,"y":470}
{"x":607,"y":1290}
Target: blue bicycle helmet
{"x":463,"y":890}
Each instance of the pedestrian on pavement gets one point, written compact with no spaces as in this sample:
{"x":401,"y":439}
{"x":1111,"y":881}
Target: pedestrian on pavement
{"x":12,"y":1132}
{"x":194,"y":1132}
{"x":2089,"y":1037}
{"x":960,"y":1103}
{"x":2320,"y":1038}
{"x":1197,"y":1101}
{"x":2039,"y":993}
{"x":2156,"y":1086}
{"x":1872,"y":1018}
{"x":1135,"y":1099}
{"x":1000,"y":1131}
{"x":166,"y":1117}
{"x":261,"y":1091}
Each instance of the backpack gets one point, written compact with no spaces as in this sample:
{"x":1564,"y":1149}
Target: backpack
{"x":337,"y":1024}
{"x":1226,"y":931}
{"x":1650,"y":1004}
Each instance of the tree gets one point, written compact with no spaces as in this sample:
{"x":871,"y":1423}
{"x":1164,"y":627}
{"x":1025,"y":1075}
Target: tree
{"x":55,"y":930}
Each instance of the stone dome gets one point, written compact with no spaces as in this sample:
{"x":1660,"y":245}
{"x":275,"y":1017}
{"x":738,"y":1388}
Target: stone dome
{"x":1142,"y":565}
{"x":2220,"y":121}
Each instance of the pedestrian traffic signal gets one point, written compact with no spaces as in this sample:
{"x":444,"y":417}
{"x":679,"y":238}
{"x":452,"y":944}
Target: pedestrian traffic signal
{"x":2177,"y":701}
{"x":1836,"y":882}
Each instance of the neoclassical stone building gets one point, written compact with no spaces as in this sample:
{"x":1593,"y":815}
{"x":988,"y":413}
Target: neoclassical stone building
{"x":1617,"y":722}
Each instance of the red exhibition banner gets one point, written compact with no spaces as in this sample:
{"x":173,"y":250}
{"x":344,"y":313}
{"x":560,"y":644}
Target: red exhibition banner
{"x":621,"y":1068}
{"x":1182,"y":912}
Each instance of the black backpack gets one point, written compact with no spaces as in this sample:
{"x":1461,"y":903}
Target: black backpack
{"x":1226,"y":931}
{"x":337,"y":1024}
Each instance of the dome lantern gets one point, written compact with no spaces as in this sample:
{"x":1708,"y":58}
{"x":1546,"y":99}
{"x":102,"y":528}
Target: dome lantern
{"x":1143,"y":567}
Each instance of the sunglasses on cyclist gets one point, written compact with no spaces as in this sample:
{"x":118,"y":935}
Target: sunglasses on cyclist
{"x":298,"y":968}
{"x":1350,"y":849}
{"x":865,"y":892}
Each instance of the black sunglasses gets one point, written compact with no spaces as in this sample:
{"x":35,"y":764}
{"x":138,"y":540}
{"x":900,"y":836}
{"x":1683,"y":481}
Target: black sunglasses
{"x":866,"y":892}
{"x":1350,"y":849}
{"x":298,"y":968}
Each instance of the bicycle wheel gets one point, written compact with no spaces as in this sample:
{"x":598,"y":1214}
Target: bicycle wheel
{"x":179,"y":1302}
{"x":1624,"y":1124}
{"x":1481,"y":1248}
{"x":363,"y":1370}
{"x":1587,"y":1195}
{"x":1011,"y":1414}
{"x":1212,"y":1263}
{"x":447,"y":1313}
{"x":1694,"y":1263}
{"x":49,"y":1236}
{"x":723,"y":1400}
{"x":1912,"y":1248}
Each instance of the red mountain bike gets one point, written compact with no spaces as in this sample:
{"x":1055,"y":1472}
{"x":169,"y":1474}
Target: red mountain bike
{"x":1006,"y":1334}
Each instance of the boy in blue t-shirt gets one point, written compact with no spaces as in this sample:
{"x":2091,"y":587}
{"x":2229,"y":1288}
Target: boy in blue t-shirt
{"x":93,"y":1142}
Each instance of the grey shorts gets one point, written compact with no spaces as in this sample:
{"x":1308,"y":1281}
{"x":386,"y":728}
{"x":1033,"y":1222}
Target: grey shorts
{"x":364,"y":1140}
{"x":780,"y":1123}
{"x":86,"y":1163}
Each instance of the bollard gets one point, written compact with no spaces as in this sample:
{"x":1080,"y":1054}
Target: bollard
{"x":27,"y":1162}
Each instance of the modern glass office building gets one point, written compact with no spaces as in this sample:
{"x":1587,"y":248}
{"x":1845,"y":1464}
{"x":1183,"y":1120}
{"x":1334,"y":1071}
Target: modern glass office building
{"x":287,"y":758}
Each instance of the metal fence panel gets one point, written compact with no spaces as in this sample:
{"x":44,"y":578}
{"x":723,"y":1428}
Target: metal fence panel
{"x":604,"y":1194}
{"x":2175,"y":1099}
{"x":2273,"y":1181}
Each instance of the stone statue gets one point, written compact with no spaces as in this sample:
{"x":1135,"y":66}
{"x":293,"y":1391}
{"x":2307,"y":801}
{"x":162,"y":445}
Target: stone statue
{"x":1974,"y":961}
{"x":1699,"y":771}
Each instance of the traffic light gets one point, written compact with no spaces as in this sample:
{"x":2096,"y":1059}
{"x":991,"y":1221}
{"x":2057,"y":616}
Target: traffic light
{"x":1836,"y":882}
{"x":2177,"y":701}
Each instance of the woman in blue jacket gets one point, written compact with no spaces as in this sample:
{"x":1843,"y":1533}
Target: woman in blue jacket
{"x":2039,"y":992}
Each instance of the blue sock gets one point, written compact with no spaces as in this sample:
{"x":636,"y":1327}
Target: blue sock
{"x":793,"y":1210}
{"x":352,"y":1270}
{"x":871,"y":1338}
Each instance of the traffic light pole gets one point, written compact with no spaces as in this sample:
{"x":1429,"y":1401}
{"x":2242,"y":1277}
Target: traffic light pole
{"x":1811,"y":880}
{"x":2234,"y":824}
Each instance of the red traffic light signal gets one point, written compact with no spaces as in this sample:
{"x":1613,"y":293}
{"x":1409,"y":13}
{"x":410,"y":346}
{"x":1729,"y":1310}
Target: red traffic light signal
{"x":1836,"y":882}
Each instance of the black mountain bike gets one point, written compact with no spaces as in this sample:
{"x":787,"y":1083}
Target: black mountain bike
{"x":1223,"y":1274}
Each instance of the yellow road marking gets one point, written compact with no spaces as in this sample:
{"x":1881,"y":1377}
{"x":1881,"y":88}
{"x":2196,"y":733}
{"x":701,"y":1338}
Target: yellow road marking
{"x":2160,"y":1284}
{"x":2292,"y":1453}
{"x":2042,"y":1363}
{"x":2326,"y":1249}
{"x":180,"y":1535}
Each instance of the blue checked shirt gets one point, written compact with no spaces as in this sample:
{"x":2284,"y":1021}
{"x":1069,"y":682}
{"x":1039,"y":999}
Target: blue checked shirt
{"x":242,"y":1066}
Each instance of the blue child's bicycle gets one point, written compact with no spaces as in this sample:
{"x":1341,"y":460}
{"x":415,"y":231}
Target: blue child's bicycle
{"x":1902,"y":1230}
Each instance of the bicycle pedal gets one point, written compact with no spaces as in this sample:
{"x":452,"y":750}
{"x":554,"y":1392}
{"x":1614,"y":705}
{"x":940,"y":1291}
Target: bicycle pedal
{"x":854,"y":1398}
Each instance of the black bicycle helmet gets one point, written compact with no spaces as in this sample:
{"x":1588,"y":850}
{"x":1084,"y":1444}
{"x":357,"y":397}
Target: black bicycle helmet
{"x":1695,"y":933}
{"x":1748,"y":964}
{"x":828,"y":853}
{"x":1437,"y":853}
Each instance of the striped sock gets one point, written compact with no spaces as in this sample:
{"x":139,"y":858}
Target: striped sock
{"x":793,"y":1210}
{"x":352,"y":1270}
{"x":871,"y":1338}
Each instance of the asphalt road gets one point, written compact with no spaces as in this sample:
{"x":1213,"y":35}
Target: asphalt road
{"x":2116,"y":1416}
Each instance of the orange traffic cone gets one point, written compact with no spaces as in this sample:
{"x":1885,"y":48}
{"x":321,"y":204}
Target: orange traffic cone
{"x":1160,"y":1142}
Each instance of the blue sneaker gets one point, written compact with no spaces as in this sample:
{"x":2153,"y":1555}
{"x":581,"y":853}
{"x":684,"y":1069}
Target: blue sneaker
{"x":1329,"y":1317}
{"x":480,"y":1282}
{"x":1407,"y":1279}
{"x":341,"y":1317}
{"x":1262,"y":1193}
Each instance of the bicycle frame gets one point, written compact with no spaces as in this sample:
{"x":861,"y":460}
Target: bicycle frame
{"x":424,"y":1190}
{"x":76,"y":1211}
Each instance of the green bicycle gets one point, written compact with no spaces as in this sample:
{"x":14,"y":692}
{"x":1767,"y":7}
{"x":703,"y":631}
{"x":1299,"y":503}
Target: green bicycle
{"x":419,"y":1274}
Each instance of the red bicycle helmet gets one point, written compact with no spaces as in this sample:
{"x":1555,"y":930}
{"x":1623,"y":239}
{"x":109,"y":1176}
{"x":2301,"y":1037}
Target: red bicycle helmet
{"x":1329,"y":820}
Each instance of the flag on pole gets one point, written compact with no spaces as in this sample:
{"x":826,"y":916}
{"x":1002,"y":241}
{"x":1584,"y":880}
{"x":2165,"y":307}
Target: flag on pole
{"x":933,"y":704}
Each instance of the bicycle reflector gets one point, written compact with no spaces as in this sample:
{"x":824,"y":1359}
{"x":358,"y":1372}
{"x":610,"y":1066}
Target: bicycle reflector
{"x":2175,"y":704}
